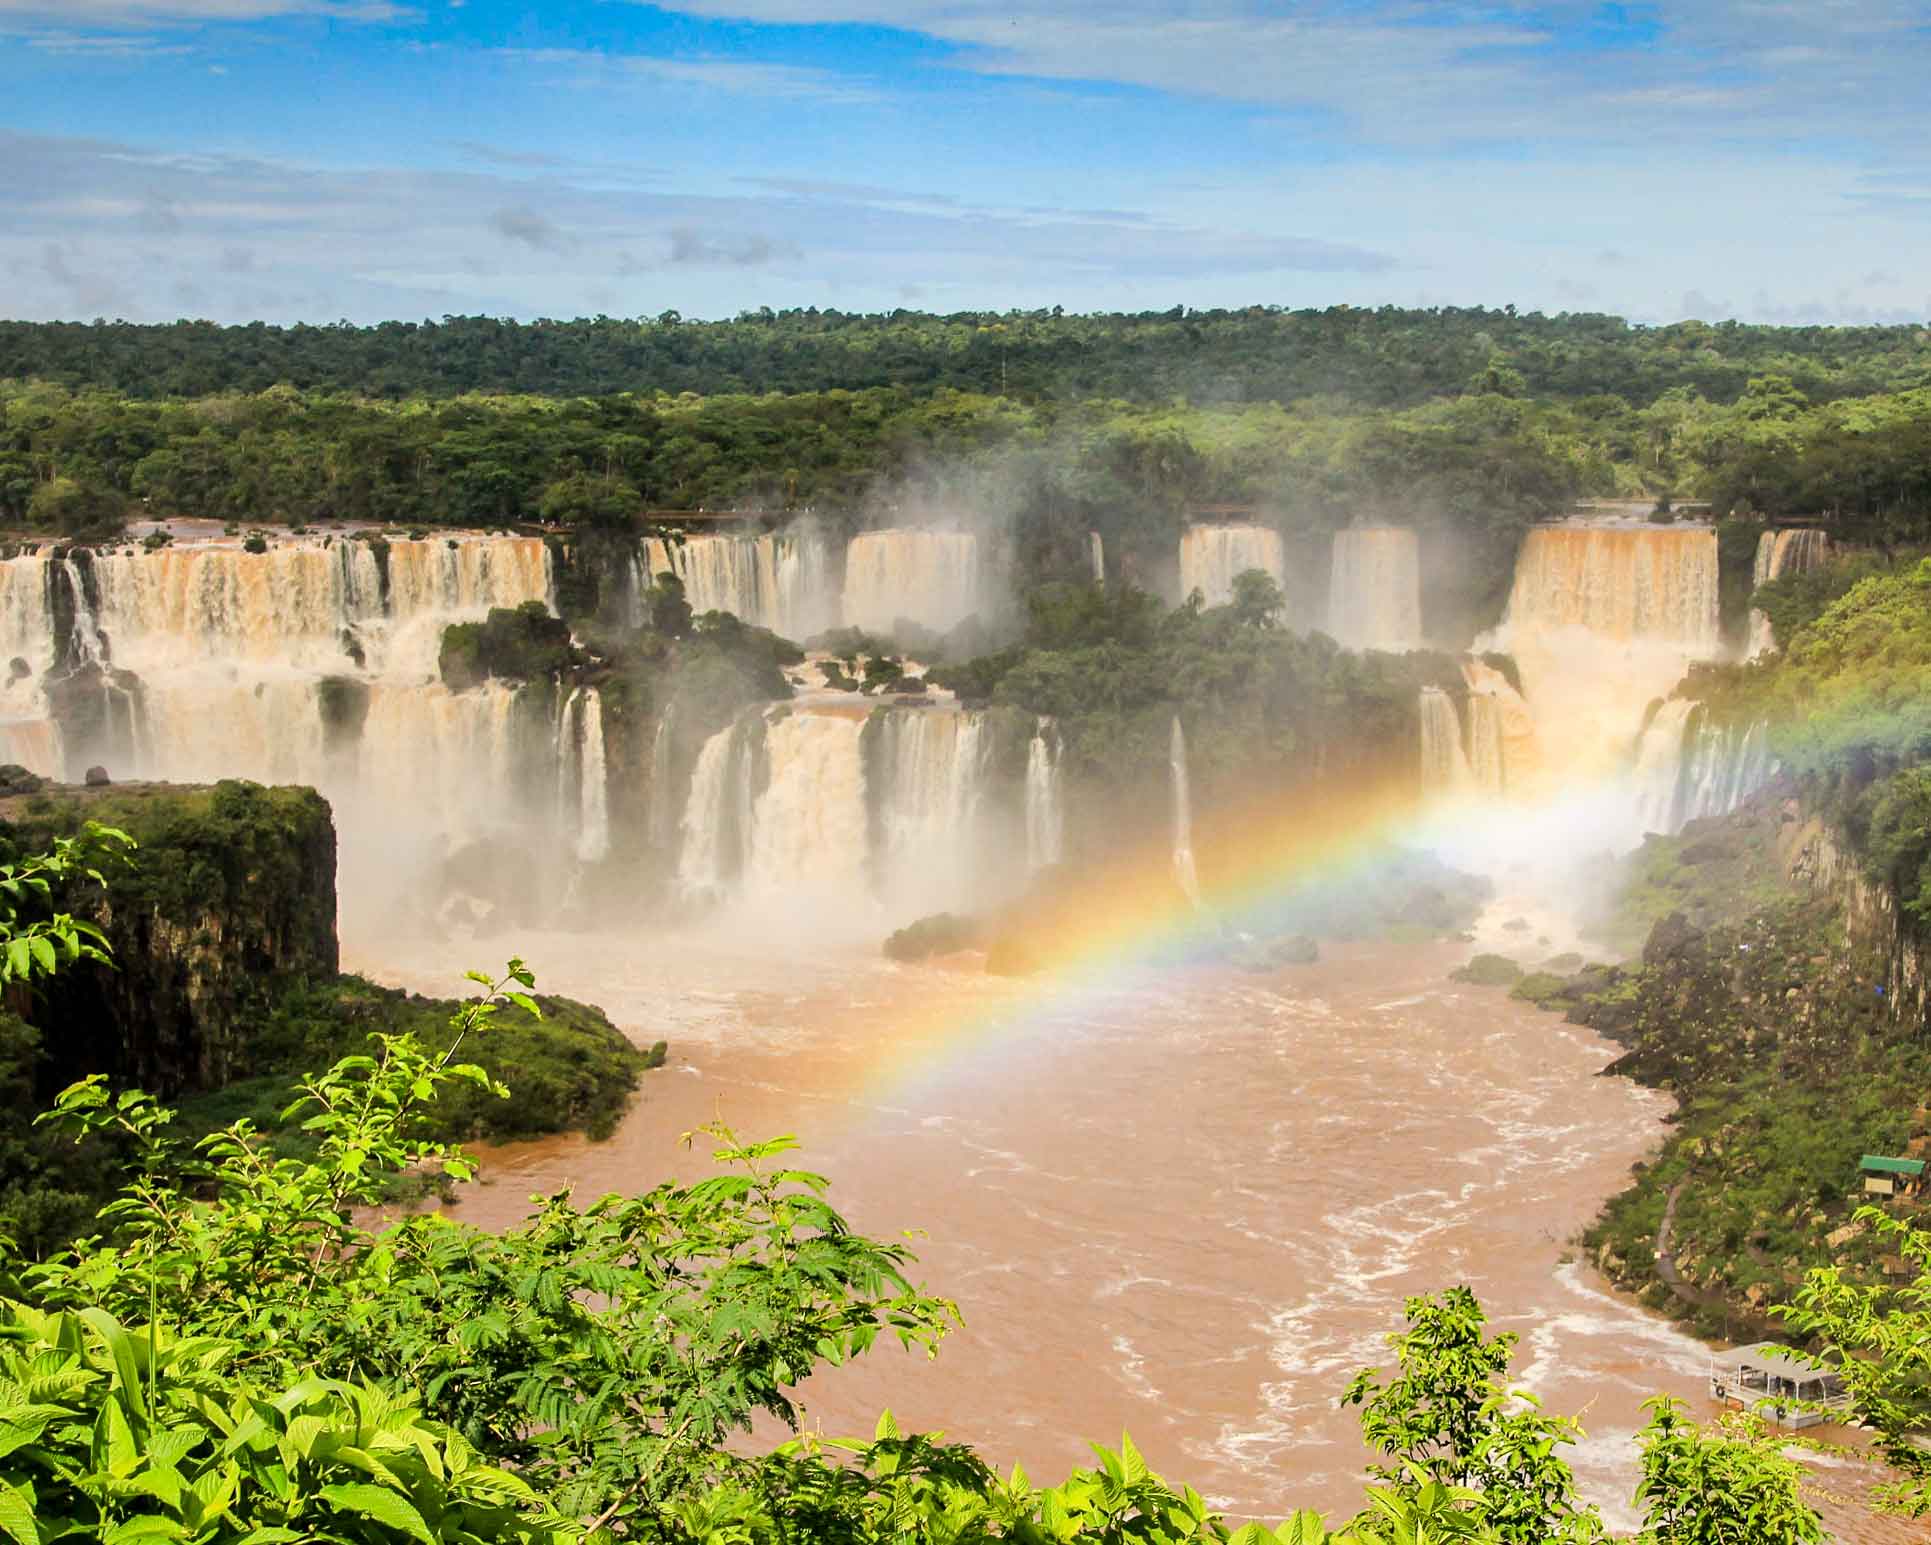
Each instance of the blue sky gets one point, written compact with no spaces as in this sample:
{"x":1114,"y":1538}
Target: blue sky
{"x":368,"y":159}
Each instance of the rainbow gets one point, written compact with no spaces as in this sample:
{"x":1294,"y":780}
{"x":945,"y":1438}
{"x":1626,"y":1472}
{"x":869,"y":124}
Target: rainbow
{"x":1265,"y":865}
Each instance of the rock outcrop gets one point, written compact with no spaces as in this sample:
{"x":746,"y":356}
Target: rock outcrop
{"x":230,"y":894}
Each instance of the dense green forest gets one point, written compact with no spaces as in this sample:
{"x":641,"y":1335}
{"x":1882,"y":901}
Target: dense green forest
{"x":1384,"y":357}
{"x":1477,"y":420}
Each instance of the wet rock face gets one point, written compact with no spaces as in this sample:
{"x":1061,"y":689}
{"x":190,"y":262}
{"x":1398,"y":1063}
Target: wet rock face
{"x":229,"y":895}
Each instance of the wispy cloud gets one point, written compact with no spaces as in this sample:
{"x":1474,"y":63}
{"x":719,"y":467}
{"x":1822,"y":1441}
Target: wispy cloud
{"x":361,"y":242}
{"x":746,"y":77}
{"x":104,"y":45}
{"x":114,"y":13}
{"x":1400,"y":73}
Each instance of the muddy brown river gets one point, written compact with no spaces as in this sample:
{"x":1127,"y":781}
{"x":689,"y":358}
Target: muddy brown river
{"x":1186,"y":1204}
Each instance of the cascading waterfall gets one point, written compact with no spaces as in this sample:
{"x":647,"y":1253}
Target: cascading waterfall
{"x":1687,"y":768}
{"x":777,"y":580}
{"x":28,"y":737}
{"x":1210,"y":557}
{"x":1602,"y":621}
{"x":1503,"y":751}
{"x":933,"y":767}
{"x":808,"y":826}
{"x":1374,"y":588}
{"x":314,"y":662}
{"x":1796,"y":551}
{"x":583,"y":795}
{"x":716,"y":828}
{"x":1045,"y":813}
{"x":1659,"y":765}
{"x":1444,"y":762}
{"x":932,"y":578}
{"x":1649,"y":582}
{"x":1096,"y":547}
{"x":1184,"y":870}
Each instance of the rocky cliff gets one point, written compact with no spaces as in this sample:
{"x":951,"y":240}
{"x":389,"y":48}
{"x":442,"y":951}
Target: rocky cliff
{"x":230,"y":895}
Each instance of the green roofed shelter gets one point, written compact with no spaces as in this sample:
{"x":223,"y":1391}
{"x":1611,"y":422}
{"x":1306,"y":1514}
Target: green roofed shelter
{"x":1885,"y":1176}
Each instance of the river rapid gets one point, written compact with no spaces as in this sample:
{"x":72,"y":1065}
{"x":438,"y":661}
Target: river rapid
{"x":1186,"y":1205}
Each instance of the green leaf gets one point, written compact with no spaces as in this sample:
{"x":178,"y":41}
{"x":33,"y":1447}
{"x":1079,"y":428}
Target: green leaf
{"x":17,"y":1515}
{"x":385,"y":1507}
{"x":148,"y":1527}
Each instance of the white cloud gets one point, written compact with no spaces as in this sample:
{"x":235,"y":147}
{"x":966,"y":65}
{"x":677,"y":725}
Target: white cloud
{"x":129,"y":226}
{"x":1402,"y":73}
{"x":113,"y":13}
{"x":748,"y":77}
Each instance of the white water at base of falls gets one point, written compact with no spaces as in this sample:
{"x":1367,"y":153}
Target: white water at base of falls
{"x":1184,"y":870}
{"x":932,"y":578}
{"x":1211,"y":555}
{"x":1374,"y":588}
{"x":776,"y":580}
{"x":1045,"y":812}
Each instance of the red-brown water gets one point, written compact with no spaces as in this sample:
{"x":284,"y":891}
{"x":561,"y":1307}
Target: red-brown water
{"x":1185,"y":1204}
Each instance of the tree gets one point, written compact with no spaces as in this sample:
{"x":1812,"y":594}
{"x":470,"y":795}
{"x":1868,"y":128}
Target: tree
{"x":75,"y":508}
{"x":1734,"y":1489}
{"x":1447,"y":1419}
{"x":1257,"y":599}
{"x":1878,"y":1340}
{"x":584,"y":499}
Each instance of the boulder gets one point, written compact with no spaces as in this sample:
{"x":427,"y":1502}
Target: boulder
{"x":15,"y":779}
{"x":96,"y":777}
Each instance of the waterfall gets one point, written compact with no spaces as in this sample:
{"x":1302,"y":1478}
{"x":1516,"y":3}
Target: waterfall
{"x":1183,"y":863}
{"x":1657,"y":776}
{"x":85,"y":647}
{"x":663,"y":815}
{"x":1796,"y":551}
{"x":712,"y":855}
{"x":1045,"y":813}
{"x":583,"y":796}
{"x":1648,"y":582}
{"x":1374,"y":588}
{"x":1210,"y":557}
{"x":929,"y":577}
{"x":931,"y":765}
{"x":314,"y":662}
{"x":1602,"y":621}
{"x":1096,"y":547}
{"x":26,"y":613}
{"x":28,"y":737}
{"x":1504,"y":754}
{"x":1724,"y":766}
{"x":808,"y":826}
{"x":1687,"y":768}
{"x":1444,"y":763}
{"x":780,"y":581}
